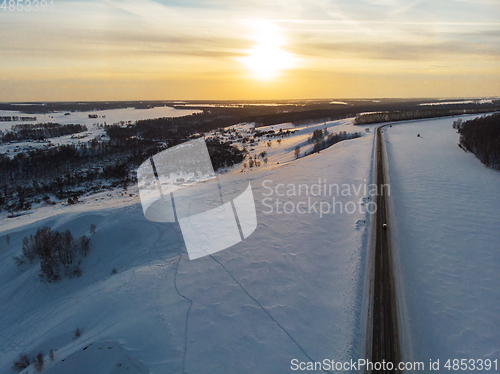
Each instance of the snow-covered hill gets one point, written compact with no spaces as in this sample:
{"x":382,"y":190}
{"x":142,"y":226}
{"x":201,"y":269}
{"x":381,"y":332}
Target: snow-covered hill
{"x":293,"y":289}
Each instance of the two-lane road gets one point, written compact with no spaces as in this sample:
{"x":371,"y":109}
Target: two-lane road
{"x":385,"y":345}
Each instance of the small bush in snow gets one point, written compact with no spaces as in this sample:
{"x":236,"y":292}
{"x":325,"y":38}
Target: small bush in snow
{"x":21,"y":363}
{"x":457,"y":124}
{"x":92,"y":229}
{"x":19,"y":260}
{"x":77,"y":272}
{"x":84,"y":245}
{"x":51,"y":355}
{"x":78,"y":333}
{"x":38,"y":362}
{"x":114,"y":271}
{"x":297,"y":151}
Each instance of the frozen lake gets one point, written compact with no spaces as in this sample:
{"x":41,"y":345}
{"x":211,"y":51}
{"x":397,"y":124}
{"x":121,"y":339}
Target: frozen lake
{"x":103,"y":116}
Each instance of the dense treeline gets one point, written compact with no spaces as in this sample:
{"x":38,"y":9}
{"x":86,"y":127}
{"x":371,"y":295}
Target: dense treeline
{"x":208,"y":120}
{"x":365,"y":119}
{"x":88,"y":106}
{"x":481,"y":136}
{"x":250,"y":108}
{"x":68,"y":171}
{"x":322,"y":112}
{"x":173,"y":131}
{"x":218,"y":117}
{"x":323,"y":139}
{"x":39,"y":131}
{"x":16,"y":118}
{"x":223,"y":154}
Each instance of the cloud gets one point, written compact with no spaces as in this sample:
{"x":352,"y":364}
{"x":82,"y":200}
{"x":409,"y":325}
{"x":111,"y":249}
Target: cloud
{"x":399,"y":50}
{"x":177,"y":38}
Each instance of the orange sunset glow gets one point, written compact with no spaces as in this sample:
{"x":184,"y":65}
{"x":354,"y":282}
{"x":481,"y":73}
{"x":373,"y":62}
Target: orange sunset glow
{"x":113,"y":50}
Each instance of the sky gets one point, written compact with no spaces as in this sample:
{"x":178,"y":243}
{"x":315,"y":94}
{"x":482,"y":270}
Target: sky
{"x":248,"y":49}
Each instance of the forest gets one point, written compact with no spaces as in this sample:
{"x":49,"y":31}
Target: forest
{"x":70,"y":170}
{"x":481,"y":136}
{"x":39,"y":131}
{"x":322,"y":139}
{"x":16,"y":118}
{"x":405,"y":115}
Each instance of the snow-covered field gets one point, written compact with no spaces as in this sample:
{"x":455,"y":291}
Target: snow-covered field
{"x":293,"y":289}
{"x":445,"y":224}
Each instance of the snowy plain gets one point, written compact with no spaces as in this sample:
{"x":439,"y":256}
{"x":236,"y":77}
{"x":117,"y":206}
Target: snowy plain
{"x":445,"y":218}
{"x":293,"y":289}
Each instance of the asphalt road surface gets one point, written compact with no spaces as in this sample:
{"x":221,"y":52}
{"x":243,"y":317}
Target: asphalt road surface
{"x":385,"y":345}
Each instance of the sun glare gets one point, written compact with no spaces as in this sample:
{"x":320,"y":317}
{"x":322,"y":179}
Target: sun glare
{"x":267,"y":59}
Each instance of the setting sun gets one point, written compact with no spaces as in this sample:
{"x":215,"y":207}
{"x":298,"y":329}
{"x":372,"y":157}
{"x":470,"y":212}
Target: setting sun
{"x":249,"y":50}
{"x":268,"y":59}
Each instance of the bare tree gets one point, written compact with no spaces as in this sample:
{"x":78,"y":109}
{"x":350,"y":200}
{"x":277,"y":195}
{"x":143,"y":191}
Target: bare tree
{"x":297,"y":151}
{"x":38,"y":362}
{"x":84,"y":245}
{"x":21,"y":363}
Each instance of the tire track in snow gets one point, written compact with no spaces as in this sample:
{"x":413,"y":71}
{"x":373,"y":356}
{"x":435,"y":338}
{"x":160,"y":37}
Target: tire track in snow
{"x":268,"y":314}
{"x":185,"y":298}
